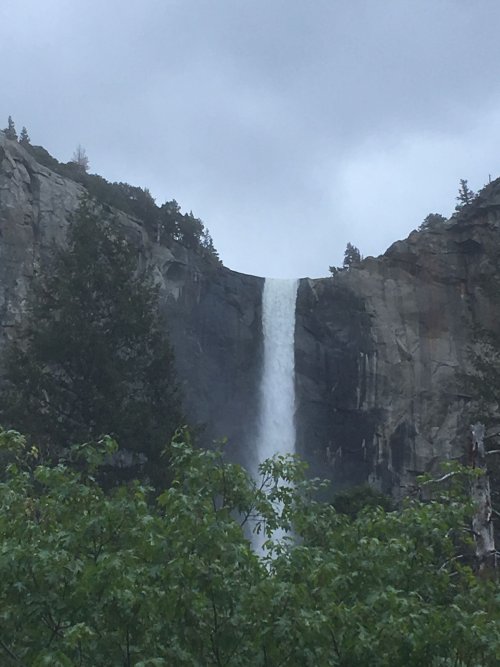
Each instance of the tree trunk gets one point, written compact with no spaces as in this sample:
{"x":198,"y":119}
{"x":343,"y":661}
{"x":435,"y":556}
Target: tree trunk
{"x":482,"y":524}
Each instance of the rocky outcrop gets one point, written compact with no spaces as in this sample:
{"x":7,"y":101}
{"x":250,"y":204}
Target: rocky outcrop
{"x":380,"y":349}
{"x":35,"y":205}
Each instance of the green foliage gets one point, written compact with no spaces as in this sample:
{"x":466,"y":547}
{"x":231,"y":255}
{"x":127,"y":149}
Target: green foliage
{"x":432,"y":220}
{"x":135,"y":201}
{"x":93,"y":357}
{"x":465,"y":195}
{"x":43,"y":156}
{"x":10,"y":130}
{"x":207,"y":242}
{"x":24,"y":138}
{"x":352,"y":256}
{"x":96,"y":579}
{"x":164,"y":224}
{"x":185,"y":228}
{"x":353,"y":500}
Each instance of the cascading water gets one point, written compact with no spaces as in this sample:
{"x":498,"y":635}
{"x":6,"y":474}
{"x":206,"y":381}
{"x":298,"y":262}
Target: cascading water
{"x":276,"y":431}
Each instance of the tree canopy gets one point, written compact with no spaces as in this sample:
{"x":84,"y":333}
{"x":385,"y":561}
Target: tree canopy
{"x":95,"y":579}
{"x":93,"y":356}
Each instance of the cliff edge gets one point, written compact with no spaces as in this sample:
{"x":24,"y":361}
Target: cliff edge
{"x":380,"y":349}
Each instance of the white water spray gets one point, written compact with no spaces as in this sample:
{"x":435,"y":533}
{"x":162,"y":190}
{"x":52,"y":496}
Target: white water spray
{"x":277,"y":393}
{"x":276,"y":432}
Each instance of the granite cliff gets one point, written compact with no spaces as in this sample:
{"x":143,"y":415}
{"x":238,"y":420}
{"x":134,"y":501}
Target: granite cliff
{"x":379,"y":349}
{"x":383,"y":348}
{"x":213,"y":313}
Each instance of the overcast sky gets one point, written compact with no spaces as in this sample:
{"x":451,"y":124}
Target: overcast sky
{"x":288,"y":126}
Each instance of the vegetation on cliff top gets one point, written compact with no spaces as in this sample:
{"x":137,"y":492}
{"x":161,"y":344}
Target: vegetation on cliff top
{"x":352,"y":257}
{"x":165,"y":223}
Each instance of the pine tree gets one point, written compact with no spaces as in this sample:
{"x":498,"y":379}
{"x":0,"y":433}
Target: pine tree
{"x":351,"y":256}
{"x":24,"y":138}
{"x":10,"y":130}
{"x":465,"y":195}
{"x":94,"y":357}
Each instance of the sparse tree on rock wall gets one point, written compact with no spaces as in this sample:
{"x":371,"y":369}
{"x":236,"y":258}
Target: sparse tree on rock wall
{"x":351,"y":256}
{"x":432,"y":220}
{"x":24,"y":138}
{"x":80,"y":158}
{"x":465,"y":195}
{"x":10,"y":130}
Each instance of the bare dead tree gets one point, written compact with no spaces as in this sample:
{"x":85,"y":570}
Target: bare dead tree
{"x":482,"y":524}
{"x":80,"y":158}
{"x":480,"y":493}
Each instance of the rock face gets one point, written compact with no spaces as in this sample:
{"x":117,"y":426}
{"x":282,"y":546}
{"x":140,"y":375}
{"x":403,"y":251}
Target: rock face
{"x":380,"y":348}
{"x":215,"y":327}
{"x":213,"y":314}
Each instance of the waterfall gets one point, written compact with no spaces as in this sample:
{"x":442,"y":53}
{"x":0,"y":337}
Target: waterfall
{"x":277,"y":391}
{"x":276,"y":428}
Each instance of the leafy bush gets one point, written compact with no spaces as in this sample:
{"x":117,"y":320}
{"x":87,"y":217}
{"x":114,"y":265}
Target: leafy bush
{"x":353,"y":500}
{"x":96,"y":579}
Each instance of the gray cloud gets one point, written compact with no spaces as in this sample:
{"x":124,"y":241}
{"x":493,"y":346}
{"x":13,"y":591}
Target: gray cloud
{"x":289,"y":127}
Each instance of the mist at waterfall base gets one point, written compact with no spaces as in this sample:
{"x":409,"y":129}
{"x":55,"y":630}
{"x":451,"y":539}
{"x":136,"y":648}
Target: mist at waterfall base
{"x":276,"y":428}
